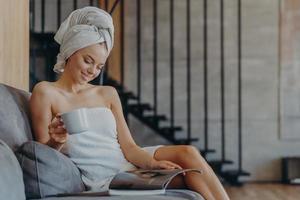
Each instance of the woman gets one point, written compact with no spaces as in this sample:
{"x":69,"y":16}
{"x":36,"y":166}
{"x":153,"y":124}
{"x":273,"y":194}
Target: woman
{"x":86,"y":39}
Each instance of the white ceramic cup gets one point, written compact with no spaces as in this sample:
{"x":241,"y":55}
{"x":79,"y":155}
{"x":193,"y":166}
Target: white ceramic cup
{"x":75,"y":121}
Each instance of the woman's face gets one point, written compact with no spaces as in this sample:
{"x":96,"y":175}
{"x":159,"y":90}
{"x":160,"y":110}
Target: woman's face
{"x":86,"y":64}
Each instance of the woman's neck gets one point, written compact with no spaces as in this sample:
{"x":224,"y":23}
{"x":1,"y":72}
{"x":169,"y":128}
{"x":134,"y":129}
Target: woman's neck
{"x":66,"y":83}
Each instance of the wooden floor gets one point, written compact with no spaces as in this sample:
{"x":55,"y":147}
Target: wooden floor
{"x":260,"y":191}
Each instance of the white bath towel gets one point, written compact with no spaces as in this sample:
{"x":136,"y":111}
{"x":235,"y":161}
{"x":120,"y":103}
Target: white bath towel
{"x":97,"y":152}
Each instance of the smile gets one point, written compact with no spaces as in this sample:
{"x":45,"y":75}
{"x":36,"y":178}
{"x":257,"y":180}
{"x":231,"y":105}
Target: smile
{"x":85,"y":77}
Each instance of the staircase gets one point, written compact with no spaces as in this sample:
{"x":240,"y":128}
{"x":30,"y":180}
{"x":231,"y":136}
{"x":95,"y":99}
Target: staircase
{"x":43,"y":51}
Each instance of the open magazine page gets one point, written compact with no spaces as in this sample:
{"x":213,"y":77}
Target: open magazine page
{"x":136,"y":182}
{"x":143,"y":181}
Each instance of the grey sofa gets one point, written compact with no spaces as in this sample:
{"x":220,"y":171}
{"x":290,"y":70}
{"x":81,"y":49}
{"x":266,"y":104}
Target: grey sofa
{"x":16,"y":138}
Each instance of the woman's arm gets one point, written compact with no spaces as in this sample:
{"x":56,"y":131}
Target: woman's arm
{"x":133,"y":153}
{"x":41,"y":117}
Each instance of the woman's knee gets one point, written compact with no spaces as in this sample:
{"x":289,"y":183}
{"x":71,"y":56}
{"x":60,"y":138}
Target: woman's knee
{"x":187,"y":154}
{"x":190,"y":157}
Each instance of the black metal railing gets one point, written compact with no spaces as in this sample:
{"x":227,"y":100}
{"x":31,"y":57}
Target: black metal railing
{"x":43,"y":45}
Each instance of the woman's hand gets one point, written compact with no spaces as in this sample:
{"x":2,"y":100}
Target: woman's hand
{"x":164,"y":164}
{"x":57,"y":130}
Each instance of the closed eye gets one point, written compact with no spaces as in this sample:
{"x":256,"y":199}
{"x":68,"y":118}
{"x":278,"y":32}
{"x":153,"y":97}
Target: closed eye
{"x":88,"y":61}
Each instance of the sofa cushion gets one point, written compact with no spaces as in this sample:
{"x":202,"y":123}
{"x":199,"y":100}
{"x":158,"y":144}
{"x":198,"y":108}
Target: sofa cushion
{"x":11,"y":181}
{"x":171,"y":194}
{"x":46,"y":171}
{"x":14,"y":124}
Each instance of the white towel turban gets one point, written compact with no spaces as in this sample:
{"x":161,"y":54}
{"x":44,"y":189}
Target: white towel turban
{"x":83,"y":27}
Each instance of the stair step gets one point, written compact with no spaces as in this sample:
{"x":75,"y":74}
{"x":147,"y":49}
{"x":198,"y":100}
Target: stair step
{"x":220,"y":162}
{"x":165,"y":132}
{"x":140,"y":106}
{"x":170,"y":129}
{"x":204,"y":152}
{"x":236,"y":173}
{"x":169,"y":132}
{"x":186,"y":141}
{"x":126,"y":95}
{"x":216,"y":165}
{"x":232,"y":176}
{"x":156,"y":117}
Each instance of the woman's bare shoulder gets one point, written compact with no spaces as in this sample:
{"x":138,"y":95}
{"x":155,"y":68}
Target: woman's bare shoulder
{"x":43,"y":88}
{"x":108,"y":93}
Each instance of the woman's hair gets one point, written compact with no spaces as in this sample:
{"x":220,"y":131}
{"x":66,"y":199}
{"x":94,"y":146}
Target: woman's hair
{"x":82,"y":28}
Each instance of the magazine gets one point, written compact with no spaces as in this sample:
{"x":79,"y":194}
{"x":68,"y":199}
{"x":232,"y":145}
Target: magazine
{"x":137,"y":182}
{"x":143,"y":182}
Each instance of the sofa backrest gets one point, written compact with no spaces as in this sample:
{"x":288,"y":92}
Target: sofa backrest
{"x":15,"y":126}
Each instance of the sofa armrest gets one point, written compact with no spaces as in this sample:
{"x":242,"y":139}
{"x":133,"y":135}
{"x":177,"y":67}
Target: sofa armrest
{"x":11,"y":177}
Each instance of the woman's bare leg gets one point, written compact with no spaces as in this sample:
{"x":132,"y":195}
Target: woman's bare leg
{"x":207,"y":183}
